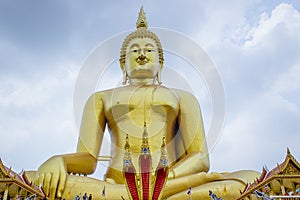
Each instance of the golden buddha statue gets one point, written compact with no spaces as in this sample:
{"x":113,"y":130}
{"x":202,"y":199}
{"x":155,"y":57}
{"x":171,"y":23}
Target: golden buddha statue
{"x":168,"y":113}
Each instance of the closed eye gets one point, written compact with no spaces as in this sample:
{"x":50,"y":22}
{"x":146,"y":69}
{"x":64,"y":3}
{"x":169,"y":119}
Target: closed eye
{"x":150,"y":50}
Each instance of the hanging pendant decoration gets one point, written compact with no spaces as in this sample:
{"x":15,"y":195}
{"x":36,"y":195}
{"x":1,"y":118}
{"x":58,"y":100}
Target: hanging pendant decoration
{"x":130,"y":173}
{"x":145,"y":185}
{"x":145,"y":165}
{"x":161,"y":172}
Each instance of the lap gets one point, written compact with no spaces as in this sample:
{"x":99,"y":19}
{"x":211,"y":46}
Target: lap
{"x":226,"y":185}
{"x":76,"y":185}
{"x":81,"y":184}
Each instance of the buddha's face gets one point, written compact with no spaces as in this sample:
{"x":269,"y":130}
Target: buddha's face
{"x":142,"y":58}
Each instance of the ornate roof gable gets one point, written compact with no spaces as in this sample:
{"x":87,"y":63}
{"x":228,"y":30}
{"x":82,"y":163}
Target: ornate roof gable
{"x":3,"y":171}
{"x":290,"y":166}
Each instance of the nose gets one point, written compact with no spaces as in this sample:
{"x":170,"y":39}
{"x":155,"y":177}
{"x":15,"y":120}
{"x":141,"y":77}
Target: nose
{"x":142,"y":57}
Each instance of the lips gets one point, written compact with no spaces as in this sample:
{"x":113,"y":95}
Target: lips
{"x":142,"y":62}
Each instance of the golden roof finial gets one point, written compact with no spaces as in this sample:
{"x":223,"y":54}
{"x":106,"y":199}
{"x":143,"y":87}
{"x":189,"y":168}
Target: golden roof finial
{"x":141,"y":22}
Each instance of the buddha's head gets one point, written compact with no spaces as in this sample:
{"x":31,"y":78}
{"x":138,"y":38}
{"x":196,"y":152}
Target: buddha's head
{"x":141,"y":53}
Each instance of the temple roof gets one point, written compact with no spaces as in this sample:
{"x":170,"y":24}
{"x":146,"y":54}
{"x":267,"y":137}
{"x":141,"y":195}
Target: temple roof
{"x":16,"y":183}
{"x":289,"y":169}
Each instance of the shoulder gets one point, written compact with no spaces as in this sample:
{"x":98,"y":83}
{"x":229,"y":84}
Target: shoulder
{"x":100,"y":95}
{"x":95,"y":97}
{"x":107,"y":95}
{"x":184,"y":95}
{"x":187,"y":101}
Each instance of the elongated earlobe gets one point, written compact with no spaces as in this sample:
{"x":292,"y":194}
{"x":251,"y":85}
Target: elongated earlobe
{"x":125,"y":77}
{"x":158,"y":77}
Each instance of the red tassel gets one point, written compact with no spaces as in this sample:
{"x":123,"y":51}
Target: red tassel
{"x":161,"y":175}
{"x":145,"y":163}
{"x":131,"y":182}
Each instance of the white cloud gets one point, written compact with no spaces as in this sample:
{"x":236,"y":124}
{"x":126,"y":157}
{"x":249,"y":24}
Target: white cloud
{"x":257,"y":132}
{"x":35,"y":113}
{"x":289,"y":81}
{"x":22,"y":91}
{"x":260,"y":68}
{"x":284,"y":16}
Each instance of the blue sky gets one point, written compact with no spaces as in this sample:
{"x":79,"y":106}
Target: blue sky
{"x":255,"y":45}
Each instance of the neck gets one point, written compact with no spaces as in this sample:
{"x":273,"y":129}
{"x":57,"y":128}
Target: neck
{"x":144,"y":81}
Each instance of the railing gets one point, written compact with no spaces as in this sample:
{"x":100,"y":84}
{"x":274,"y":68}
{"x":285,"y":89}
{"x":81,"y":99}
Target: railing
{"x":282,"y":197}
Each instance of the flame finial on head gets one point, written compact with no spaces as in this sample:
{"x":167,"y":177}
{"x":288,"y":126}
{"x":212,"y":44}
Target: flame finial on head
{"x":141,"y":22}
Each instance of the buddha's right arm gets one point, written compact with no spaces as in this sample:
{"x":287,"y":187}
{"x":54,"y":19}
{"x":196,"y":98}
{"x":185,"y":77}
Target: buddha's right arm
{"x":90,"y":138}
{"x":52,"y":174}
{"x":91,"y":133}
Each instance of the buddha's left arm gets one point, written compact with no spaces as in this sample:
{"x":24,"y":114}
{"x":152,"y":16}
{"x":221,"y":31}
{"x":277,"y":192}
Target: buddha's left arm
{"x":195,"y":158}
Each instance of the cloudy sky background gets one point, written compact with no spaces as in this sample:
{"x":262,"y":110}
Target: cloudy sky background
{"x":255,"y":45}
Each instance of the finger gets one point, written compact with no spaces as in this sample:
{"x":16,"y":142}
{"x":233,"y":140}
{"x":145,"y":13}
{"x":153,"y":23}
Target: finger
{"x":47,"y":183}
{"x":41,"y":179}
{"x":53,"y":185}
{"x":62,"y":181}
{"x":36,"y":180}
